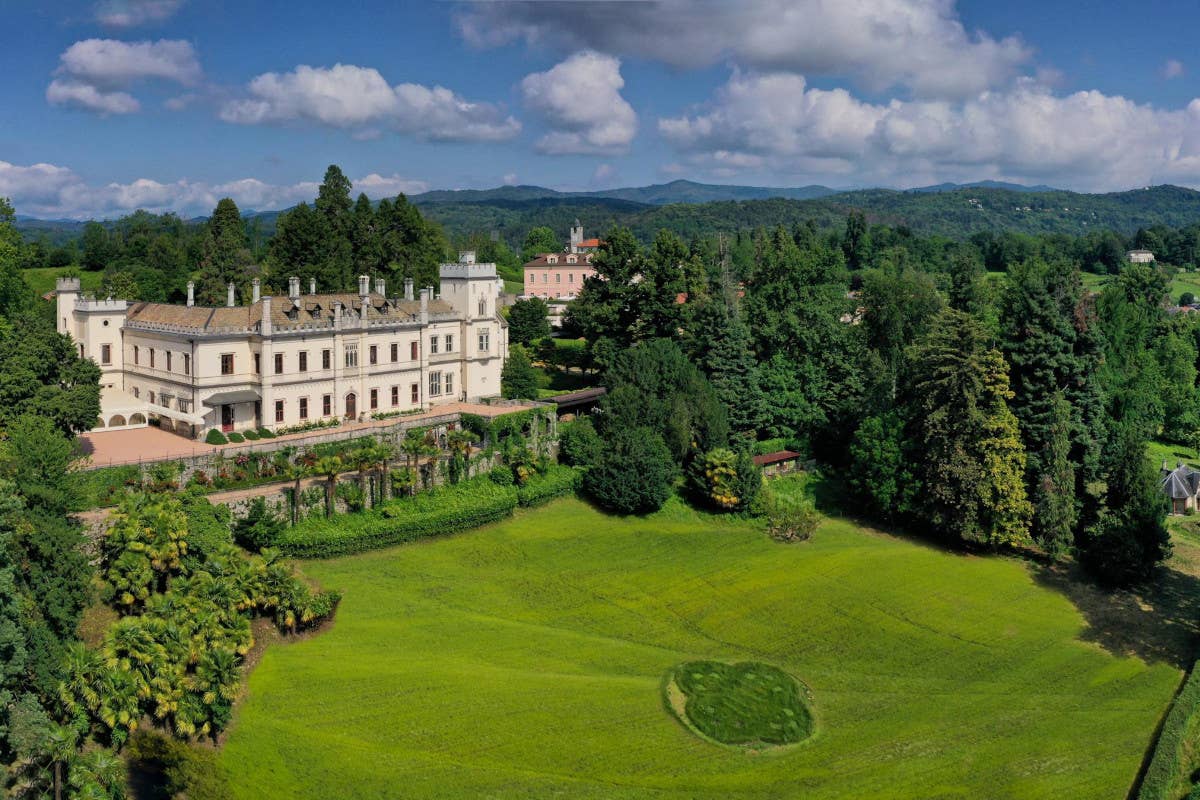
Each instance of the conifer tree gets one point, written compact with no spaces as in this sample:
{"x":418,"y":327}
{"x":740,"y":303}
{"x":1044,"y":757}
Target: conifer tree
{"x":1054,"y":486}
{"x":225,"y":255}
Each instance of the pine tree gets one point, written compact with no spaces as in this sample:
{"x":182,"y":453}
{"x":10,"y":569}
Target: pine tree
{"x":1054,"y":486}
{"x":1006,"y":512}
{"x":226,"y":255}
{"x":726,"y":354}
{"x":518,"y":379}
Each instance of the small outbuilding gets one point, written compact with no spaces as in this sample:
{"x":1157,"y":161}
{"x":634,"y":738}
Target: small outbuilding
{"x":783,"y":462}
{"x":1181,"y":485}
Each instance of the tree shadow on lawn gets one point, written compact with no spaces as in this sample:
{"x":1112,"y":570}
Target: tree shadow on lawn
{"x":1158,"y":622}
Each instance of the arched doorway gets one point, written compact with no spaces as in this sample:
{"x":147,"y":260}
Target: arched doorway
{"x":116,"y":421}
{"x":351,"y":406}
{"x":137,"y":419}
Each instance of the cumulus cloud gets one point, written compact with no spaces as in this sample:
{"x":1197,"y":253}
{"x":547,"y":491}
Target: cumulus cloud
{"x":1086,"y":139}
{"x":49,"y":190}
{"x":581,"y":101}
{"x":353,"y":97}
{"x":95,"y":74}
{"x":510,"y":179}
{"x":1172,"y":69}
{"x":918,"y":44}
{"x":131,"y":13}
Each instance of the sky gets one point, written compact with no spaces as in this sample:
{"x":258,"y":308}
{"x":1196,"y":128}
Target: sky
{"x":112,"y":105}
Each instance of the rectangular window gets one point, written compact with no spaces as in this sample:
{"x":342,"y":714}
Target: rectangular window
{"x":136,"y":355}
{"x":449,"y":383}
{"x":151,"y":358}
{"x":168,"y":361}
{"x":374,"y":399}
{"x":279,"y":411}
{"x":395,"y":396}
{"x":303,"y":408}
{"x":106,"y":354}
{"x":279,"y":363}
{"x":326,"y":359}
{"x":570,"y":277}
{"x":136,"y":392}
{"x":485,"y":340}
{"x":327,"y":405}
{"x":227,"y":363}
{"x":435,"y":384}
{"x":351,"y":356}
{"x":416,"y":393}
{"x":545,"y":277}
{"x":449,"y":343}
{"x":258,"y":363}
{"x":558,"y":277}
{"x":433,"y":345}
{"x":373,"y":354}
{"x":413,"y":355}
{"x":395,"y":352}
{"x":187,"y":363}
{"x":152,"y":398}
{"x":304,"y":361}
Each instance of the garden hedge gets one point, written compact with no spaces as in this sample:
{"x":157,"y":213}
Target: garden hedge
{"x":1164,"y":764}
{"x":447,"y":509}
{"x":556,"y":482}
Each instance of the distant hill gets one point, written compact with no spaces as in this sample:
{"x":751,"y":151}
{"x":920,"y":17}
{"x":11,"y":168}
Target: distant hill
{"x":1012,"y":187}
{"x":690,"y":209}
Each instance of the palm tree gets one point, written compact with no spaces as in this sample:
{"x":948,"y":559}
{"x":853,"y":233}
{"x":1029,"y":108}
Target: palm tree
{"x":414,"y":448}
{"x":460,"y":442}
{"x":384,"y":452}
{"x":60,"y":747}
{"x":363,"y":459}
{"x":295,"y":472}
{"x":329,"y":467}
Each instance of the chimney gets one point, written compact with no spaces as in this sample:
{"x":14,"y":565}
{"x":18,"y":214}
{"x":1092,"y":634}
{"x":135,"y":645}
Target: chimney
{"x":364,"y":285}
{"x":337,"y":314}
{"x":466,"y":257}
{"x":380,"y":287}
{"x":255,"y":291}
{"x":265,"y":327}
{"x":425,"y":305}
{"x":294,"y":288}
{"x":229,"y":295}
{"x":191,"y":293}
{"x":408,"y":288}
{"x":312,"y":286}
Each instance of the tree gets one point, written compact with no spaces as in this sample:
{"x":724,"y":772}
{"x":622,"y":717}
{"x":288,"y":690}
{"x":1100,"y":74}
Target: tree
{"x":879,"y":474}
{"x":41,"y":373}
{"x":226,"y":255}
{"x":260,"y":528}
{"x":519,"y":379}
{"x":633,"y":474}
{"x":578,"y":443}
{"x":528,"y":321}
{"x":725,"y":351}
{"x":539,"y":240}
{"x":725,"y":480}
{"x":329,"y":467}
{"x":97,"y":250}
{"x":1054,"y":488}
{"x":856,"y":241}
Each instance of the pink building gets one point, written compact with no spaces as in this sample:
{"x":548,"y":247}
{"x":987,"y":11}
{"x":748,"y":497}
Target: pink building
{"x":561,"y":275}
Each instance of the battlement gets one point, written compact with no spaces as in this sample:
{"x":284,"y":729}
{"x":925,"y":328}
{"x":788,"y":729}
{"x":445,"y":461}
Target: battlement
{"x":468,"y":269}
{"x":89,"y":304}
{"x":66,"y":285}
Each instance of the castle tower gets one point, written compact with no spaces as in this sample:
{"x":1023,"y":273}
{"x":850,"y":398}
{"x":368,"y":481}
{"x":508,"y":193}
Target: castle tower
{"x":576,"y":236}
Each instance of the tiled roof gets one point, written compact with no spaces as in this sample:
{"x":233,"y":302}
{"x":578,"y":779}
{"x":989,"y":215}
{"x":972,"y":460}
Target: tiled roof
{"x":1181,"y":483}
{"x":775,"y":458}
{"x":581,"y":260}
{"x":309,"y":309}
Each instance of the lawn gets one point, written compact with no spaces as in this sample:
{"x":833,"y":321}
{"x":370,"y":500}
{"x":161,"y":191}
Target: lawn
{"x":42,"y":279}
{"x":527,"y":659}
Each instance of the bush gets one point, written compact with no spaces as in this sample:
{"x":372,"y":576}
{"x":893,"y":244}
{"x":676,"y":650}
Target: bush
{"x":578,"y":443}
{"x":633,"y":475}
{"x":725,"y":480}
{"x":236,"y":437}
{"x":97,"y":488}
{"x":447,"y":509}
{"x":1164,"y":764}
{"x":176,"y":767}
{"x":265,"y":433}
{"x":555,"y":482}
{"x":208,"y":525}
{"x":216,"y":437}
{"x":502,"y":475}
{"x":251,"y":435}
{"x":260,"y":528}
{"x":790,"y":512}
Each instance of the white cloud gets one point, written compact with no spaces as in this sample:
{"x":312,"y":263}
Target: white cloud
{"x":1173,"y":68}
{"x":353,"y":97}
{"x":48,"y":190}
{"x":604,"y":175}
{"x":94,"y":74}
{"x":580,"y":99}
{"x":510,"y":179}
{"x":131,"y":13}
{"x":112,"y":64}
{"x":82,"y":95}
{"x":918,"y":44}
{"x":1087,"y":140}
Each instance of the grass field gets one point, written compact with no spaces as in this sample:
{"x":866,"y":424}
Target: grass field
{"x":526,"y":660}
{"x":42,"y":280}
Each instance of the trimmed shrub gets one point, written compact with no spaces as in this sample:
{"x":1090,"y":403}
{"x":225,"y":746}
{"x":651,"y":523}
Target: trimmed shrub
{"x":447,"y":509}
{"x":251,"y":435}
{"x":634,"y":474}
{"x":216,"y":437}
{"x":1164,"y":764}
{"x":236,"y":438}
{"x":555,"y":482}
{"x":578,"y":443}
{"x":265,"y":433}
{"x":502,"y":475}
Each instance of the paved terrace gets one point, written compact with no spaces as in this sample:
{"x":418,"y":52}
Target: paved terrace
{"x":150,"y":444}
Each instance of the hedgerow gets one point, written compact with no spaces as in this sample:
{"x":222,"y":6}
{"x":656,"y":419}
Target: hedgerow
{"x":556,"y":482}
{"x":105,"y":486}
{"x":1156,"y":784}
{"x":447,"y":509}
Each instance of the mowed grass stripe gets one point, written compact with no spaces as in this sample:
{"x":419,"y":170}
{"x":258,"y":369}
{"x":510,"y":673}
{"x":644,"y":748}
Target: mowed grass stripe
{"x":526,"y":659}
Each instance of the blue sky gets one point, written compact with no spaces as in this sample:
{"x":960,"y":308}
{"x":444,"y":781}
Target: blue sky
{"x":111,"y":105}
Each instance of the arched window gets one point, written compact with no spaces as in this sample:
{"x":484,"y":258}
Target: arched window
{"x":482,"y":307}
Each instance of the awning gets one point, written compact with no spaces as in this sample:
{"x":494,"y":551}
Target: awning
{"x":182,"y":416}
{"x":228,"y":398}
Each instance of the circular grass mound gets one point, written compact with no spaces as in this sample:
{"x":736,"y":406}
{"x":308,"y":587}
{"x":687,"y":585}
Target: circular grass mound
{"x":748,"y":704}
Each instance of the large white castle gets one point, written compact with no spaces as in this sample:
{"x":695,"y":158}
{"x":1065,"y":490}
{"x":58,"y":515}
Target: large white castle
{"x":284,"y":361}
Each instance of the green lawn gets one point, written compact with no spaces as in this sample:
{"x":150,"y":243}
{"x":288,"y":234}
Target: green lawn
{"x":41,"y":280}
{"x":527,"y":660}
